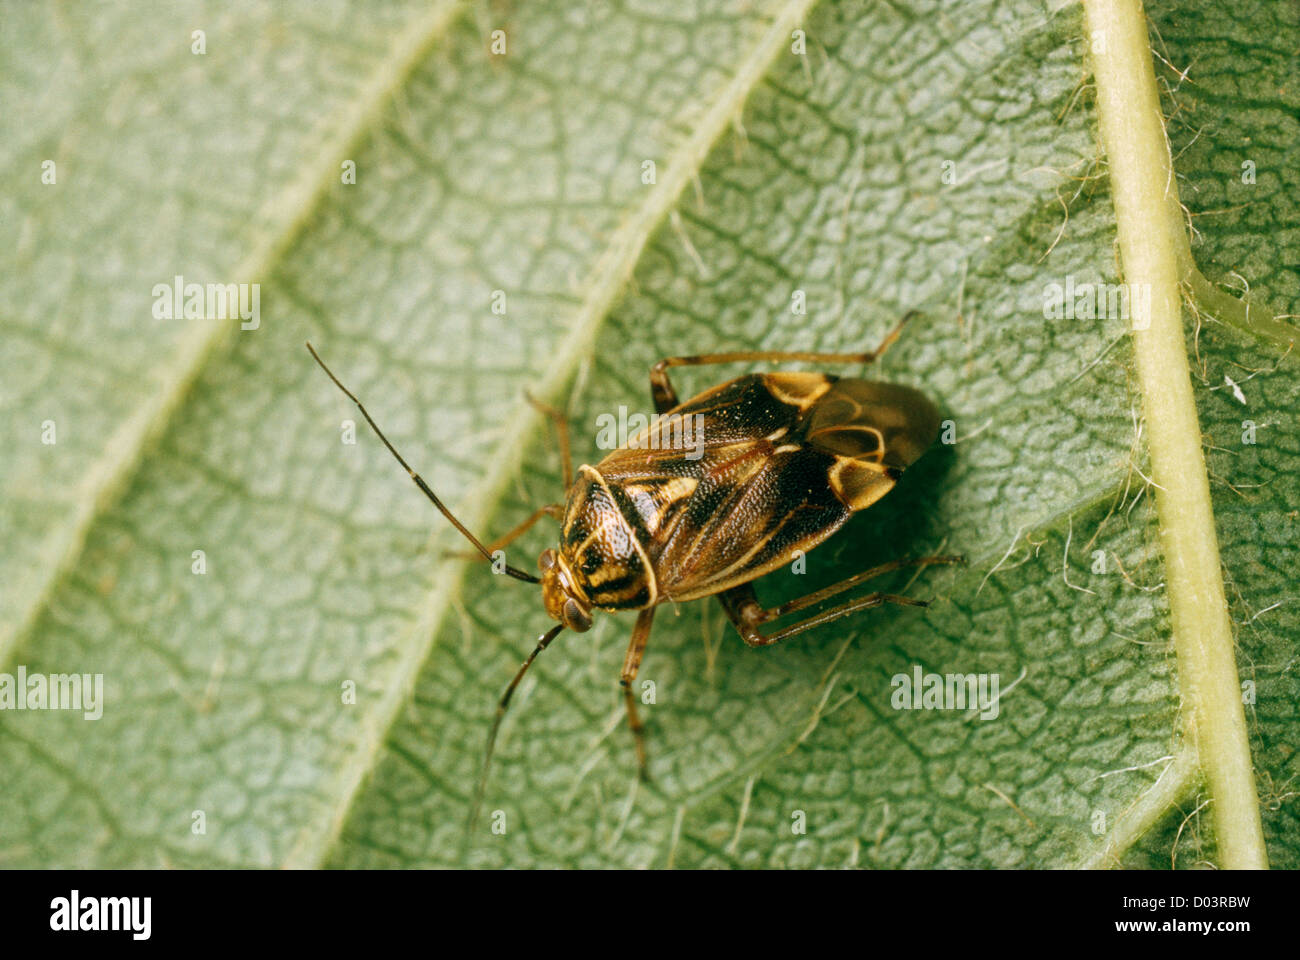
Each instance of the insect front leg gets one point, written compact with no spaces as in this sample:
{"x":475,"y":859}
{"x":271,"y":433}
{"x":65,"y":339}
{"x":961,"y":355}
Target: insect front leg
{"x":665,"y":397}
{"x":561,"y":424}
{"x":632,"y":663}
{"x":748,"y":616}
{"x":555,"y":510}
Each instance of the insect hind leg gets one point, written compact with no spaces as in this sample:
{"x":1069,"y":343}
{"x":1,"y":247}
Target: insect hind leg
{"x":748,"y":616}
{"x":665,"y":397}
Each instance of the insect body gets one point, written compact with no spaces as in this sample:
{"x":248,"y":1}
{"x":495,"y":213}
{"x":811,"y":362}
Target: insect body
{"x":783,"y":460}
{"x":787,"y":458}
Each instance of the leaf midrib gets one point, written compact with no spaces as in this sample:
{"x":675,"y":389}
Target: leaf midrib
{"x":1151,"y":233}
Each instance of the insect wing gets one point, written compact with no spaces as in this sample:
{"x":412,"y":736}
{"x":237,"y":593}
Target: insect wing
{"x":775,"y":463}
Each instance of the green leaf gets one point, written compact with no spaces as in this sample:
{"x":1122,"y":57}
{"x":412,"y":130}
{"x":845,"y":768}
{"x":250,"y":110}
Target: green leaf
{"x":523,"y":173}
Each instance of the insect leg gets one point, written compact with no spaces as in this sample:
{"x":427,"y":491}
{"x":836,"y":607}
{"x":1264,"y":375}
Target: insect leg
{"x":632,"y":663}
{"x":665,"y":397}
{"x":748,"y":616}
{"x":555,"y":510}
{"x":550,"y":510}
{"x":561,"y":424}
{"x":801,"y":603}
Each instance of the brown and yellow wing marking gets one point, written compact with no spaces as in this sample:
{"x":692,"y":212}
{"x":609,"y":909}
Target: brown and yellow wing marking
{"x":858,"y":483}
{"x":798,"y":390}
{"x":875,"y":431}
{"x":780,"y":461}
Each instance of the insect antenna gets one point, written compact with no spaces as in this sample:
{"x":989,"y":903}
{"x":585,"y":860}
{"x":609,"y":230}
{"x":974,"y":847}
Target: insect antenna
{"x":502,"y":705}
{"x":419,"y":481}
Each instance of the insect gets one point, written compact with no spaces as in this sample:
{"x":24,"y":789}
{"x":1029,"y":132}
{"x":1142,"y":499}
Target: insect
{"x":782,"y":461}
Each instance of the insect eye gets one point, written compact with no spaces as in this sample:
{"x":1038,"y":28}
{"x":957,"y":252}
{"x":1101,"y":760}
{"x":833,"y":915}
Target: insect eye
{"x":546,"y":560}
{"x":575,"y":617}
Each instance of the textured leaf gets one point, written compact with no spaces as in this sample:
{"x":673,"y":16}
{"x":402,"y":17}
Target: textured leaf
{"x":523,"y":173}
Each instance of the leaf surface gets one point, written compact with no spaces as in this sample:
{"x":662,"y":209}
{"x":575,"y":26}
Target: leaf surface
{"x":524,"y":173}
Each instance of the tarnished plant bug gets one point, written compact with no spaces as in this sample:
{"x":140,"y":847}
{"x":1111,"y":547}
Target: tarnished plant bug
{"x":785,"y":459}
